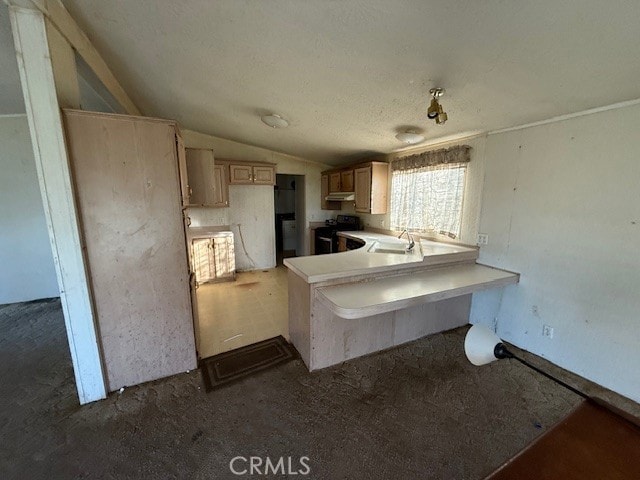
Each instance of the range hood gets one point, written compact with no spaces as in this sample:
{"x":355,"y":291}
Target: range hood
{"x":341,"y":197}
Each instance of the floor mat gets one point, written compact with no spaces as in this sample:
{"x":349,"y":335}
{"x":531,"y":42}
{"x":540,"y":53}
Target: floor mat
{"x":228,"y":367}
{"x":591,"y":442}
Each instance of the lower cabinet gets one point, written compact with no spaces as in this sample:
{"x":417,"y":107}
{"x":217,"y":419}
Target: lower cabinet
{"x":213,"y":258}
{"x":342,"y":244}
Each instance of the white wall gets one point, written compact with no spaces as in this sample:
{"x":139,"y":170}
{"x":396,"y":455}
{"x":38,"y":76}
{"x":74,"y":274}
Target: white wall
{"x":561,"y":206}
{"x":26,"y":262}
{"x":252,"y":221}
{"x":250,"y":204}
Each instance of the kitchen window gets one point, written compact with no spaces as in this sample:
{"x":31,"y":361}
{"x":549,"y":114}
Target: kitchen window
{"x":427,"y":191}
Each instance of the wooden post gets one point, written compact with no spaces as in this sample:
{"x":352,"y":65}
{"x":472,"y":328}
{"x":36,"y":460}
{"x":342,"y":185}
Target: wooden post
{"x":47,"y":135}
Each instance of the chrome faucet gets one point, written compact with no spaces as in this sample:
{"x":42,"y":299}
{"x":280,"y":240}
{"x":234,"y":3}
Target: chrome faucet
{"x":410,"y":238}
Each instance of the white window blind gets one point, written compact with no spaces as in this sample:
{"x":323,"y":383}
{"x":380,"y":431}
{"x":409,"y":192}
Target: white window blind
{"x":427,"y":192}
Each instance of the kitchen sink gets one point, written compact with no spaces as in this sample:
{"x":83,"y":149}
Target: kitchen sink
{"x":390,"y":247}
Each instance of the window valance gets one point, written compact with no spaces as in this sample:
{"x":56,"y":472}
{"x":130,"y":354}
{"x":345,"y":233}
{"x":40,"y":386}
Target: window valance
{"x":457,"y":154}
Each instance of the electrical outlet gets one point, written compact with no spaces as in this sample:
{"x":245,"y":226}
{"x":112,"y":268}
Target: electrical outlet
{"x":547,"y":331}
{"x":483,"y":239}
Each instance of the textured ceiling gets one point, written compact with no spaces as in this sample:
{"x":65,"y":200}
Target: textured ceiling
{"x":348,"y":74}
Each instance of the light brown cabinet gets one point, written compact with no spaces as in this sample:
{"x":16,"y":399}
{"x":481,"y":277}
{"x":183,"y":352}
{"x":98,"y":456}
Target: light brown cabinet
{"x":341,"y":181}
{"x":346,"y":181}
{"x":252,"y":174}
{"x":324,"y":191}
{"x":363,"y":189}
{"x":367,"y":180}
{"x":264,"y":175}
{"x":342,"y":244}
{"x":334,"y":182}
{"x":207,"y":184}
{"x":213,"y":258}
{"x":240,"y":174}
{"x":220,"y":187}
{"x":371,"y":183}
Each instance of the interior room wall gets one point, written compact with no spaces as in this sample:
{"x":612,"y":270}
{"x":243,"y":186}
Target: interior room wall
{"x":27,"y":271}
{"x":252,"y":220}
{"x":259,"y":196}
{"x":561,"y":206}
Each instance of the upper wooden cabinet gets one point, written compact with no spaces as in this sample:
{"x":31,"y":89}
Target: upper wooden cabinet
{"x":240,"y":174}
{"x":368,"y":181}
{"x":252,"y":174}
{"x":220,"y":186}
{"x":207,"y":184}
{"x":346,"y":181}
{"x":341,"y":181}
{"x":334,"y":182}
{"x":324,"y":191}
{"x":363,"y":189}
{"x":264,"y":175}
{"x":371,"y":188}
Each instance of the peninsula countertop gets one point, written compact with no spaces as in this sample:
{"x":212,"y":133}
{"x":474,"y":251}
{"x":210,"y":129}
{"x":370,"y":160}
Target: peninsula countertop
{"x":320,"y":268}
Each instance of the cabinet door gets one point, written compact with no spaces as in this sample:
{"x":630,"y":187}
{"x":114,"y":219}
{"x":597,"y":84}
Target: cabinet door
{"x":127,"y":186}
{"x":379,"y":187}
{"x":182,"y":169}
{"x":342,"y":244}
{"x":334,"y":182}
{"x":346,"y":181}
{"x":324,"y":191}
{"x":224,"y":257}
{"x":240,"y":174}
{"x":264,"y":175}
{"x":220,"y":187}
{"x":200,"y":176}
{"x":201,"y":260}
{"x":363,"y":189}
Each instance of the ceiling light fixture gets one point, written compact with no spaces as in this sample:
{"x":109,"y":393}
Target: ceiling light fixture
{"x":410,"y":137}
{"x":435,"y":111}
{"x":274,"y":121}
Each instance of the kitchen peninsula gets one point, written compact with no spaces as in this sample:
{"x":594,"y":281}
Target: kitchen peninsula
{"x":345,"y":305}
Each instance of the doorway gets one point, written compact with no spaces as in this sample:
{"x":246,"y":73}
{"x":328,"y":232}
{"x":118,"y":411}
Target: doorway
{"x":288,"y":199}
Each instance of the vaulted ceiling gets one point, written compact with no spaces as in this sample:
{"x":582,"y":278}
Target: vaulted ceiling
{"x":349,"y":74}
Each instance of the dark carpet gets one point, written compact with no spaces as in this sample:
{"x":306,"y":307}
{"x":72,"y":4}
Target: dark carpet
{"x":420,"y":411}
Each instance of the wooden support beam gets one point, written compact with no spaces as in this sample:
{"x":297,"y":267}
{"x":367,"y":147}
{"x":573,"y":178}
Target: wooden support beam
{"x":47,"y":136}
{"x":59,"y":17}
{"x":65,"y":73}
